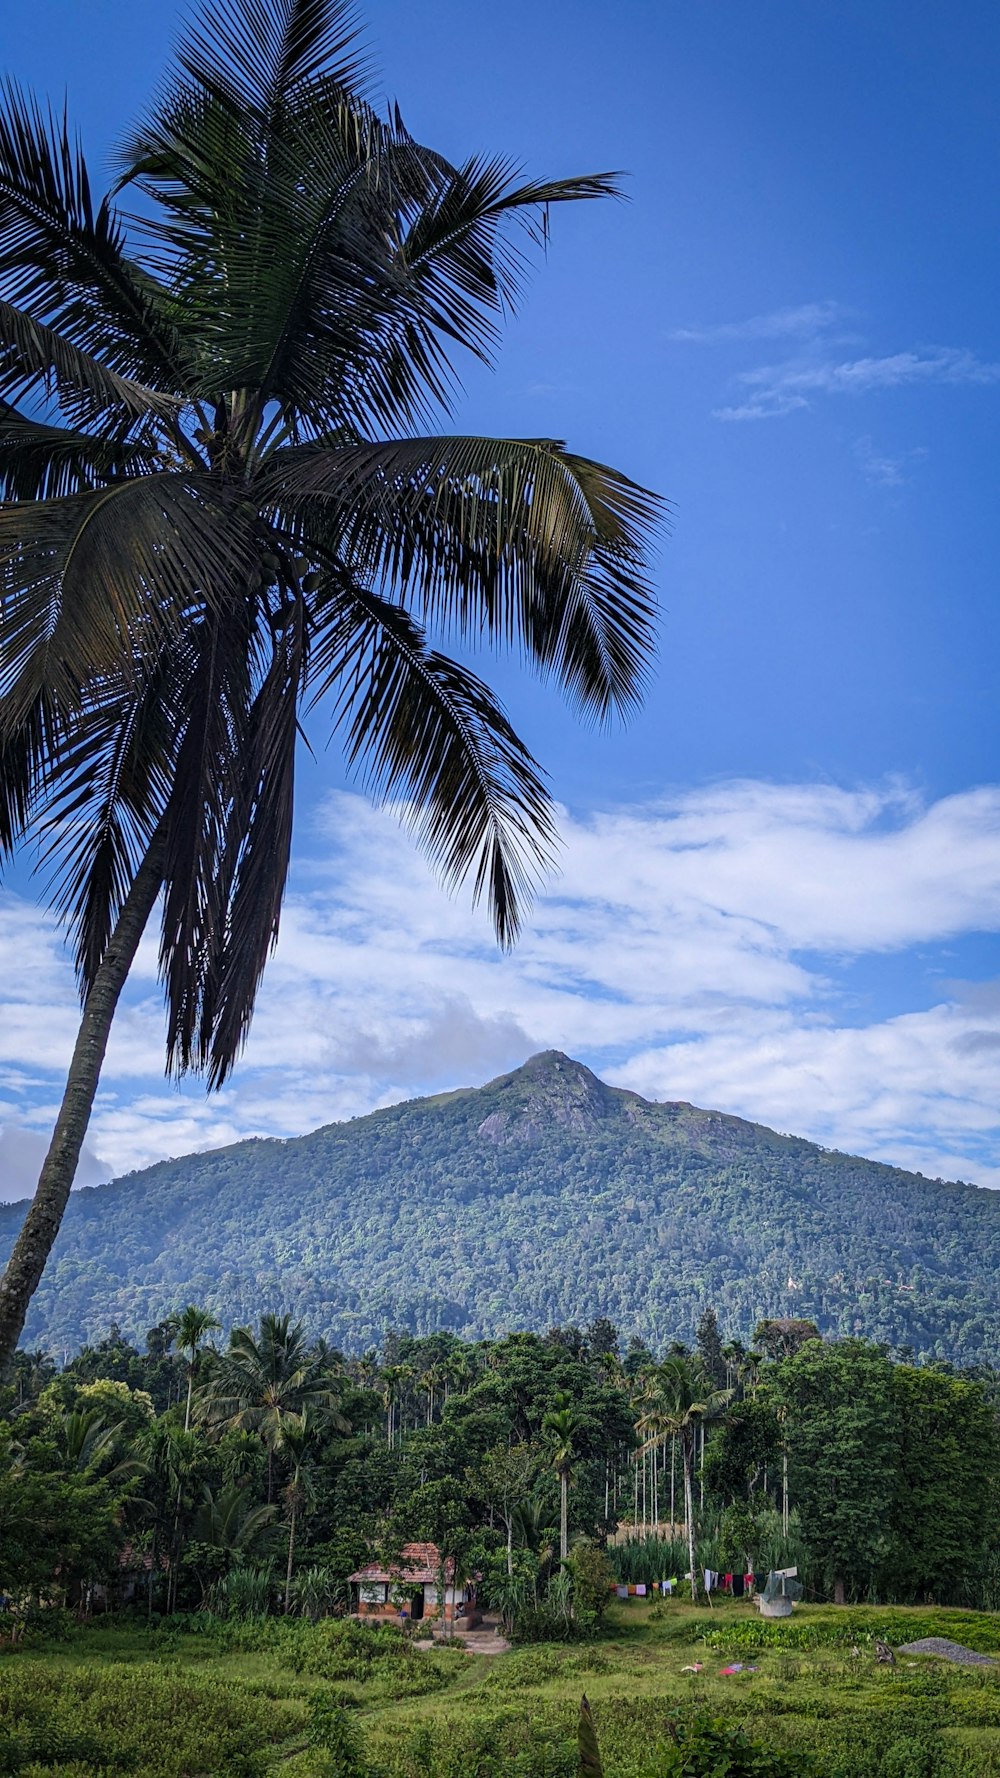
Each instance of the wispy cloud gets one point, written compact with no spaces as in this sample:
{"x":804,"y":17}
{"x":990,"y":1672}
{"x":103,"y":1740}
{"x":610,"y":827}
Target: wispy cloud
{"x":803,"y":322}
{"x":697,"y":947}
{"x":778,"y":389}
{"x":880,"y":469}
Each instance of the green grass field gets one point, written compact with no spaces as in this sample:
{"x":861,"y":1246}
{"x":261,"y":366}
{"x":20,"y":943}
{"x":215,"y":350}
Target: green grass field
{"x":239,"y":1699}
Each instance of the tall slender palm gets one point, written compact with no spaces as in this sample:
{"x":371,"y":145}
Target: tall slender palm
{"x":560,"y":1427}
{"x":260,"y":1383}
{"x":684,"y":1400}
{"x":191,"y":1327}
{"x":216,"y":512}
{"x":297,"y":1439}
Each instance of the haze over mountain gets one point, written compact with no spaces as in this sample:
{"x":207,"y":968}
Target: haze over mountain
{"x":543,"y":1197}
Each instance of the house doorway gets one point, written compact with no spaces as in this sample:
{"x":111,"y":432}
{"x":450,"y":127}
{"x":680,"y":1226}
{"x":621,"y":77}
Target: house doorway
{"x":417,"y":1605}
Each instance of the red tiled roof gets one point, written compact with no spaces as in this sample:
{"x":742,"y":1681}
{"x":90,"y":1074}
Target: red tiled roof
{"x":419,"y":1564}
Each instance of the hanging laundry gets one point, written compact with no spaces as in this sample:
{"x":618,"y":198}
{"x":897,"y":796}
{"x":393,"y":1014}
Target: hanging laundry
{"x":739,"y":1582}
{"x":622,"y":1592}
{"x":727,"y":1582}
{"x":640,"y":1591}
{"x":710,"y":1579}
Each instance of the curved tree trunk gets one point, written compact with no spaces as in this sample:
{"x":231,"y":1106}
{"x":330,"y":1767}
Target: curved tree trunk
{"x":42,"y":1223}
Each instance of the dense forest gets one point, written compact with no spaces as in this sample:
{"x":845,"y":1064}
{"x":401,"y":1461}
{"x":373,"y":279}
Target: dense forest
{"x":541,"y":1198}
{"x":256,"y":1474}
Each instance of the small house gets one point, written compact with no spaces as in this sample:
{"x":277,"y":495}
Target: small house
{"x":412,"y":1586}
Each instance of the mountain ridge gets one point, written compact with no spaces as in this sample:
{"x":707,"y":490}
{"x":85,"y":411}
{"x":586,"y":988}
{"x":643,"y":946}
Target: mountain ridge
{"x":544,"y":1195}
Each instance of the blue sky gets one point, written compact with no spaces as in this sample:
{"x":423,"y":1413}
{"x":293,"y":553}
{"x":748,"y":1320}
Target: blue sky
{"x":792,"y":331}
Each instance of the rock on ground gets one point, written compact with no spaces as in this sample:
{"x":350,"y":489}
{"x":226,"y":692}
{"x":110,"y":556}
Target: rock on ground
{"x":948,"y":1651}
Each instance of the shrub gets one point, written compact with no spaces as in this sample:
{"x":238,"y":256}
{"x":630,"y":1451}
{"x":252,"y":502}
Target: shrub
{"x":703,"y":1746}
{"x":156,"y":1720}
{"x":332,"y":1729}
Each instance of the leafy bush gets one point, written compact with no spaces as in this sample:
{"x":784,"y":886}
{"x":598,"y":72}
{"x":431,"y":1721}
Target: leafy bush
{"x":702,"y":1746}
{"x":332,"y":1729}
{"x":244,"y":1592}
{"x":156,"y":1720}
{"x":844,"y":1629}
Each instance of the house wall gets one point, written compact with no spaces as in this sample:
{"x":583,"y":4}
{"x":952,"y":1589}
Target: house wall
{"x":374,"y":1601}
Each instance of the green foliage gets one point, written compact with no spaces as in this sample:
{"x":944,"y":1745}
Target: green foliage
{"x":893,"y":1472}
{"x":335,"y":1731}
{"x":852,"y":1628}
{"x":588,"y":1752}
{"x":99,"y":1720}
{"x":244,"y":1593}
{"x":592,"y":1577}
{"x":700,"y":1745}
{"x":567,"y":1196}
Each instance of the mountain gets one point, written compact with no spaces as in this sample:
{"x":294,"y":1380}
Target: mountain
{"x":543,"y":1197}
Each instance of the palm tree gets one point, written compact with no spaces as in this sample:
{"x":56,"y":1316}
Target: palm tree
{"x":86,"y":1442}
{"x":261,"y":1383}
{"x":190,"y":1328}
{"x":228,"y":1523}
{"x":173,"y":1462}
{"x":216,"y":512}
{"x":685,"y":1400}
{"x":560,"y":1427}
{"x":298,"y":1441}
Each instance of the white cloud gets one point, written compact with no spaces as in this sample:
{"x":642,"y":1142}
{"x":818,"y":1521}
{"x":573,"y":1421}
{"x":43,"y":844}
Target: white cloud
{"x":878,"y":468}
{"x":803,"y":321}
{"x":697,"y":947}
{"x":778,"y":389}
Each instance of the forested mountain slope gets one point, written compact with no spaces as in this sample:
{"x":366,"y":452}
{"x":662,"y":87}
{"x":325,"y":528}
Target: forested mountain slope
{"x":544,"y":1197}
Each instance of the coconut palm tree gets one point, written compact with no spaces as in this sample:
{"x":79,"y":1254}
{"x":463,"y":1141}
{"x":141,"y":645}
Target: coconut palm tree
{"x":559,"y":1428}
{"x":218,"y":511}
{"x":260,"y":1383}
{"x":190,"y":1328}
{"x":684,"y":1401}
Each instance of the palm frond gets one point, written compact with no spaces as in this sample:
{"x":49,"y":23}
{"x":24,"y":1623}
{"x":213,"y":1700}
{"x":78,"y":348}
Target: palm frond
{"x":33,"y":357}
{"x":517,"y":540}
{"x":254,"y":862}
{"x":258,"y":52}
{"x":92,"y":581}
{"x":39,"y":461}
{"x":63,"y":260}
{"x":106,"y":792}
{"x":430,"y":737}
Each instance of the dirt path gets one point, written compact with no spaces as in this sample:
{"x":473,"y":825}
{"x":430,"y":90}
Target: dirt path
{"x":485,"y":1639}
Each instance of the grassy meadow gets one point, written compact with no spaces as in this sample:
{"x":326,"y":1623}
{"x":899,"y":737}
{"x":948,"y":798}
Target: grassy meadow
{"x":307,"y":1700}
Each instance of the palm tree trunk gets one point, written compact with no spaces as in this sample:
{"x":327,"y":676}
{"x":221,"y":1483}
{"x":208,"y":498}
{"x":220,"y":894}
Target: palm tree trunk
{"x":291,"y":1552}
{"x":563,"y":1516}
{"x":187,"y":1410}
{"x":510,"y":1543}
{"x":42,"y":1223}
{"x":687,"y":1458}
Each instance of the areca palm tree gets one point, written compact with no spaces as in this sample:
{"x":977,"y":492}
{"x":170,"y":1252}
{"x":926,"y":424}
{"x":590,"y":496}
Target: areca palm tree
{"x":681,"y":1400}
{"x":298,"y":1441}
{"x":190,"y":1327}
{"x":560,"y":1427}
{"x":217,"y":511}
{"x":262,"y":1383}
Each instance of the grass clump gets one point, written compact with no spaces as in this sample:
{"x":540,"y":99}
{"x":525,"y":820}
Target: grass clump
{"x":159,"y":1721}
